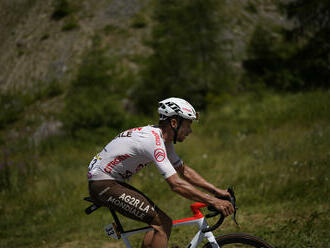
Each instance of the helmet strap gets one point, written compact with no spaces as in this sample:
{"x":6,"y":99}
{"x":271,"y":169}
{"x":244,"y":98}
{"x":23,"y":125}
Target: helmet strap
{"x":175,"y":130}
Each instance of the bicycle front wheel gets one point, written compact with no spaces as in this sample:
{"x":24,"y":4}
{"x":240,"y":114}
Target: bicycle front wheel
{"x":240,"y":240}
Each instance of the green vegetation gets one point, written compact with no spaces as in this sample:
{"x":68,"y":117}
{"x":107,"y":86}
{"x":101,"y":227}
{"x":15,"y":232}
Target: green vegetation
{"x":70,"y":24}
{"x":12,"y":106}
{"x":312,"y":32}
{"x":62,"y":9}
{"x":14,"y":103}
{"x":139,"y":22}
{"x":264,"y":129}
{"x":187,"y":58}
{"x":273,"y":149}
{"x":269,"y":63}
{"x":94,"y":99}
{"x":111,"y":29}
{"x":294,"y":58}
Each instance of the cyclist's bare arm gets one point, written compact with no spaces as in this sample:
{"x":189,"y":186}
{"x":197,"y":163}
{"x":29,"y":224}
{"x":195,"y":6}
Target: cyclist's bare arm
{"x":191,"y":176}
{"x":188,"y":191}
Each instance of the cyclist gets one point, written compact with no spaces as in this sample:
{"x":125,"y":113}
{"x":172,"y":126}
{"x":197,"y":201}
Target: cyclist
{"x":134,"y":149}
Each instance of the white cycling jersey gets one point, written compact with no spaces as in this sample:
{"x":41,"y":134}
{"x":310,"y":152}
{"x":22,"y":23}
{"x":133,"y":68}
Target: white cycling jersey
{"x":132,"y":150}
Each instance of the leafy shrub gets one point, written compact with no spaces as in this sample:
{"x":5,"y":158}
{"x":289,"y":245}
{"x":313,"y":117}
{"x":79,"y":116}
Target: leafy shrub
{"x":312,"y":31}
{"x":296,"y":58}
{"x":70,"y":24}
{"x":112,"y":29}
{"x":13,"y":103}
{"x":44,"y":37}
{"x":43,"y":90}
{"x":269,"y":62}
{"x":95,"y":97}
{"x":251,"y":7}
{"x":139,"y":22}
{"x":62,"y":9}
{"x":12,"y":106}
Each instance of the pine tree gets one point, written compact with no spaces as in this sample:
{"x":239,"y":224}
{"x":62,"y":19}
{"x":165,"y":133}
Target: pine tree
{"x":186,"y":60}
{"x":313,"y":30}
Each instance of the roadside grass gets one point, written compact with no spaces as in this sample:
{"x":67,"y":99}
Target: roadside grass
{"x":274,"y":151}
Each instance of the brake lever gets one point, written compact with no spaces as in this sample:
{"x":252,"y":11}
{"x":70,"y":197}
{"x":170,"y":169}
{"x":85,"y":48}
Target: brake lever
{"x":233,"y":202}
{"x":216,"y":212}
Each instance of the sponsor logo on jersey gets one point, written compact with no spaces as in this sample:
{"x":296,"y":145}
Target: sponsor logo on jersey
{"x":135,"y":129}
{"x":116,"y":161}
{"x":124,"y":134}
{"x":128,"y":173}
{"x":128,"y":133}
{"x":157,"y":138}
{"x":159,"y":154}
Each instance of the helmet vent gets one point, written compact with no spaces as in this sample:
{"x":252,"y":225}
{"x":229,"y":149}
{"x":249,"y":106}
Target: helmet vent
{"x":162,"y":105}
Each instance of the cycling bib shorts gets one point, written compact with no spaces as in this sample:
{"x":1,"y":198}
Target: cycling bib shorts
{"x":124,"y":199}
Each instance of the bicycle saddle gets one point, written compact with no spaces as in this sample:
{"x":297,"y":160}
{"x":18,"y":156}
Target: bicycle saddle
{"x":92,"y":207}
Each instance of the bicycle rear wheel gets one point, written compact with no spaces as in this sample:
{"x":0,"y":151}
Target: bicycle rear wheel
{"x":239,"y":240}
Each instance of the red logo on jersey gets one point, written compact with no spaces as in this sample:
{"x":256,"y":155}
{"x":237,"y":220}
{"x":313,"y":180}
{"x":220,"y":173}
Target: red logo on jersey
{"x":116,"y":161}
{"x":159,"y":154}
{"x":156,"y":137}
{"x":135,"y":129}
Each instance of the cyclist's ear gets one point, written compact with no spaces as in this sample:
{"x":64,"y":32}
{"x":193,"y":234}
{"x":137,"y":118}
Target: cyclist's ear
{"x":173,"y":123}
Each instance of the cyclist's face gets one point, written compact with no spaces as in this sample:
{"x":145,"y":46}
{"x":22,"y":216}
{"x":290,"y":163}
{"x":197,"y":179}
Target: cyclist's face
{"x":184,"y":130}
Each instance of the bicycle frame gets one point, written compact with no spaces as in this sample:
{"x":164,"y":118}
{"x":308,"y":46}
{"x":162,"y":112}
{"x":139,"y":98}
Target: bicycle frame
{"x":197,"y":219}
{"x":116,"y":230}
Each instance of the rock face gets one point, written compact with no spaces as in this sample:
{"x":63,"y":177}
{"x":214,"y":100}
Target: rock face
{"x":38,"y":49}
{"x":35,"y":47}
{"x":45,"y":130}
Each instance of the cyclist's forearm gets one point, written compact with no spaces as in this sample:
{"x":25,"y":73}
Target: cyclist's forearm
{"x":191,"y":176}
{"x":188,"y":191}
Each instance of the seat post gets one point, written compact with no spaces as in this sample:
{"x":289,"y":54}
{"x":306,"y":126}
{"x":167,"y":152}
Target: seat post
{"x":116,"y":219}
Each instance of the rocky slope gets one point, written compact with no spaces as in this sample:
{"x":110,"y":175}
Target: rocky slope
{"x":43,"y":42}
{"x":36,"y":47}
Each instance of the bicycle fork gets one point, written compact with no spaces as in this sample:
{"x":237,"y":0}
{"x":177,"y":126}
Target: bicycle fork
{"x":200,"y":236}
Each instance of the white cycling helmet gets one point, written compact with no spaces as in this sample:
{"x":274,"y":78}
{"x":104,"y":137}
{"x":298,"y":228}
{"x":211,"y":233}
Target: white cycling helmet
{"x":176,"y":106}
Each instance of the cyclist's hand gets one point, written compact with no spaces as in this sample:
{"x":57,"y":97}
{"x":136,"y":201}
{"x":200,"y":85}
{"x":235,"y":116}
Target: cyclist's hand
{"x":222,"y":193}
{"x":223,"y":206}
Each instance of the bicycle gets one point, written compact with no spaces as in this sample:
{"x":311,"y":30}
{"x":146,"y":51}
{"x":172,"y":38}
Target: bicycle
{"x":116,"y":231}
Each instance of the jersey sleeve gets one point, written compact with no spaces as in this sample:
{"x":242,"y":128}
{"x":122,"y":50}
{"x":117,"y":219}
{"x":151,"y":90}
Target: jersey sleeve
{"x":172,"y":156}
{"x":156,"y":151}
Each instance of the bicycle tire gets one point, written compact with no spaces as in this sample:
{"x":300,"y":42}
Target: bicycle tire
{"x":239,"y":238}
